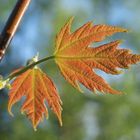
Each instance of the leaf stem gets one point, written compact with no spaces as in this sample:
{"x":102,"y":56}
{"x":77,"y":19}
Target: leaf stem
{"x":10,"y":77}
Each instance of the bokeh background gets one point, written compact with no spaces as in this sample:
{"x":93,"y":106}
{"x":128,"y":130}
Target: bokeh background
{"x":85,"y":116}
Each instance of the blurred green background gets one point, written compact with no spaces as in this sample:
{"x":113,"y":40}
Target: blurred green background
{"x":85,"y":116}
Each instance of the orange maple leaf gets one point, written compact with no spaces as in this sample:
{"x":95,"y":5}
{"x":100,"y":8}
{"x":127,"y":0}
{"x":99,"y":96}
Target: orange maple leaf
{"x":76,"y":59}
{"x":38,"y":88}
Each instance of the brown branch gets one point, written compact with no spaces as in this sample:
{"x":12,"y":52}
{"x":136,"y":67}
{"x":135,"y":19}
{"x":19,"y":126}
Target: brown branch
{"x":12,"y":24}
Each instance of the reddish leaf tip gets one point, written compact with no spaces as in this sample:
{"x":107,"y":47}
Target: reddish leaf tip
{"x":10,"y":112}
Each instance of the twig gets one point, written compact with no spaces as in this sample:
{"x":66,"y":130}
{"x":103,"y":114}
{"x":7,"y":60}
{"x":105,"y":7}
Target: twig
{"x":12,"y":24}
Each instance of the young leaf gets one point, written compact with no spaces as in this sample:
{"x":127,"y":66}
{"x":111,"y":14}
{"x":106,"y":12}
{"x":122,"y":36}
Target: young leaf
{"x":76,"y":59}
{"x":38,"y":88}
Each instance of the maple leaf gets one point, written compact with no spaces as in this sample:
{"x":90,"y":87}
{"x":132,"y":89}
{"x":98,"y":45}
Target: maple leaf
{"x":38,"y":88}
{"x":77,"y":60}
